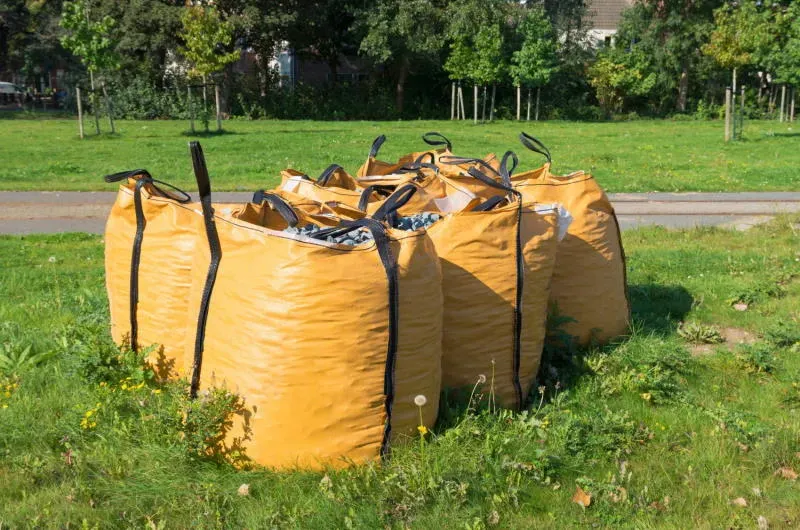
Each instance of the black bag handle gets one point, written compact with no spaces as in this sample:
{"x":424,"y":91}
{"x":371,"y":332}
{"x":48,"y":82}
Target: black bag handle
{"x":421,"y":157}
{"x":363,"y":201}
{"x":145,"y":175}
{"x":535,"y":145}
{"x":388,"y":210}
{"x":489,"y":204}
{"x":278,"y":204}
{"x":435,"y":138}
{"x":376,"y":145}
{"x":505,"y":171}
{"x":326,"y":175}
{"x":458,"y":160}
{"x":204,"y":187}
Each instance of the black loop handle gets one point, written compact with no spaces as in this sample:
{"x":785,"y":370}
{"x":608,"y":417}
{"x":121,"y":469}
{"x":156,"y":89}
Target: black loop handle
{"x":535,"y":145}
{"x":458,"y":160}
{"x":421,"y":158}
{"x":478,"y":174}
{"x":435,"y":138}
{"x":363,"y":201}
{"x":396,"y":200}
{"x":145,"y":176}
{"x":505,"y":171}
{"x":489,"y":204}
{"x":278,"y":204}
{"x":326,"y":175}
{"x":376,"y":145}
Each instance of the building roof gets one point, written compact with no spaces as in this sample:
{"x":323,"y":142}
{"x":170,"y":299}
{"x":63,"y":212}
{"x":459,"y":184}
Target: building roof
{"x":606,"y":14}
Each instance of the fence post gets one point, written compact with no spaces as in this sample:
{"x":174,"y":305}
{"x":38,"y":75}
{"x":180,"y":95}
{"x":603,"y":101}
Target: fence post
{"x":728,"y":109}
{"x":109,"y":110}
{"x":190,"y":101}
{"x":783,"y":100}
{"x":80,"y":111}
{"x":475,"y":103}
{"x":452,"y":100}
{"x":741,"y":113}
{"x":219,"y":114}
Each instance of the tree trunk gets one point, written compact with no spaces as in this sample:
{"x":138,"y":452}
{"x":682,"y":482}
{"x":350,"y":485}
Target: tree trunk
{"x":401,"y":86}
{"x":93,"y":99}
{"x":190,"y":104}
{"x":519,"y":101}
{"x":491,"y":109}
{"x":683,"y":87}
{"x":219,"y":111}
{"x":475,"y":102}
{"x":461,"y":102}
{"x":452,"y":101}
{"x":773,"y":91}
{"x":538,"y":93}
{"x":528,"y":118}
{"x":109,"y":109}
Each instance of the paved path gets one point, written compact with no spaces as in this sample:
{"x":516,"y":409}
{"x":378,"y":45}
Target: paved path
{"x":30,"y":212}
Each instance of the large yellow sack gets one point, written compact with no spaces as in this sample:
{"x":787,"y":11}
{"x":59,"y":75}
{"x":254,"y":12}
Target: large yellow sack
{"x":328,"y":344}
{"x":496,"y":269}
{"x":589,"y":279}
{"x":150,"y":237}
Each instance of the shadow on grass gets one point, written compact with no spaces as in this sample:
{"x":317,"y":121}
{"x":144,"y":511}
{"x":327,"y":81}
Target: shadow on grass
{"x":210,"y":134}
{"x":659,"y":308}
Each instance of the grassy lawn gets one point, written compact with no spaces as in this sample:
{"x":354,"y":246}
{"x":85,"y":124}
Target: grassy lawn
{"x":625,"y":156}
{"x":660,"y":432}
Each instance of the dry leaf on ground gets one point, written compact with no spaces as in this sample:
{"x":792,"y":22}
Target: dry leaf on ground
{"x":581,"y":497}
{"x":739,"y":501}
{"x":244,"y":490}
{"x":787,"y":473}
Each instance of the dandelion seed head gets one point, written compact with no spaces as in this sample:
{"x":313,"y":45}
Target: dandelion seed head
{"x":420,"y":400}
{"x":481,"y":379}
{"x":51,"y":259}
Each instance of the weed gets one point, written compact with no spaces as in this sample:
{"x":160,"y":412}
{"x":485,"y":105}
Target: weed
{"x":783,"y":334}
{"x":744,"y":427}
{"x":697,"y":333}
{"x":758,"y":357}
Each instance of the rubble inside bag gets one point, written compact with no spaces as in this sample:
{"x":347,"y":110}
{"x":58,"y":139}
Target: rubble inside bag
{"x":354,"y":237}
{"x":418,"y":221}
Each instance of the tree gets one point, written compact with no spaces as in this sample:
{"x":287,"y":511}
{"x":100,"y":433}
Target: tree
{"x":91,"y":42}
{"x":400,"y":34}
{"x":739,"y":36}
{"x":490,"y":63}
{"x":670,"y":33}
{"x":617,"y":76}
{"x":534,"y":63}
{"x":207,"y":37}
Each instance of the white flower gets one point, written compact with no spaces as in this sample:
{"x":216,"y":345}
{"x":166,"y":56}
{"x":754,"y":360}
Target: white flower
{"x":51,"y":259}
{"x":420,"y":400}
{"x":481,"y":379}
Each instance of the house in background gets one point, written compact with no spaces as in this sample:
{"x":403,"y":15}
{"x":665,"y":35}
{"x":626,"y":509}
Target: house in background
{"x":603,"y":18}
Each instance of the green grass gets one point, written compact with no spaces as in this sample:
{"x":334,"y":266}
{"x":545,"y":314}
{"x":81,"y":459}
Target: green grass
{"x":659,"y":438}
{"x":625,"y":156}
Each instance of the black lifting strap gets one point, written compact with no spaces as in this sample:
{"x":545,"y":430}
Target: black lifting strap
{"x":435,"y":138}
{"x":520,"y":281}
{"x":376,"y":145}
{"x":279,"y":204}
{"x":535,"y":145}
{"x":363,"y":200}
{"x":204,"y":187}
{"x":143,"y":178}
{"x":326,"y":175}
{"x":388,"y":210}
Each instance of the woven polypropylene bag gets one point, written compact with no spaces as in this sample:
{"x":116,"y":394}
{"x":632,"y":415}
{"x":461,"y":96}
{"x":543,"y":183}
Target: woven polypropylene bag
{"x":328,"y":344}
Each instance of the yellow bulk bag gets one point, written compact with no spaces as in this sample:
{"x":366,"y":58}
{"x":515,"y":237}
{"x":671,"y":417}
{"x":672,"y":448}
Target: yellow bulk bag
{"x":149,"y":243}
{"x":496,"y":268}
{"x":328,"y":344}
{"x":589,"y":279}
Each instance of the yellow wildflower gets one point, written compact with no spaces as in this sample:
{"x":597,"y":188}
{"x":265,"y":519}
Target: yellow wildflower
{"x":422,"y":430}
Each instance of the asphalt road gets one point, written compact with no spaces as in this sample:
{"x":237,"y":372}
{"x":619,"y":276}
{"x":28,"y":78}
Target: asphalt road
{"x":30,"y":212}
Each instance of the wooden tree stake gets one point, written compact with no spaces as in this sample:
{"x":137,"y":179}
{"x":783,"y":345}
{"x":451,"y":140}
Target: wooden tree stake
{"x":80,"y":111}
